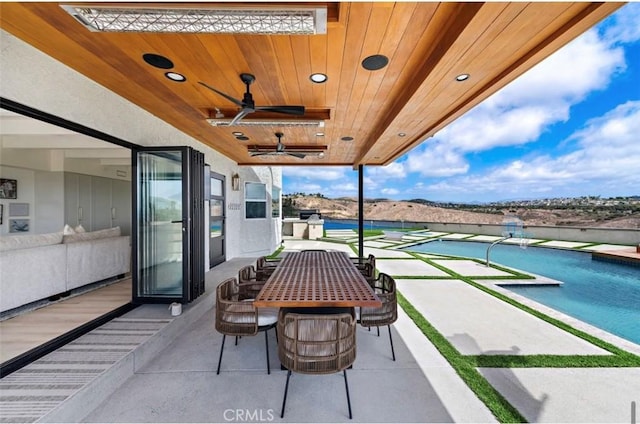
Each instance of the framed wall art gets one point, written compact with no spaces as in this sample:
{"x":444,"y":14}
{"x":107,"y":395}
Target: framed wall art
{"x":8,"y":188}
{"x":18,"y":225}
{"x":18,"y":209}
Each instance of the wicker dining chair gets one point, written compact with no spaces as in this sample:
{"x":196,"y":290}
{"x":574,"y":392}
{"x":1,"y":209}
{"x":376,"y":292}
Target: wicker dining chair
{"x":250,"y":282}
{"x":385,"y":288}
{"x":367,"y":267}
{"x":238,"y":317}
{"x":265,"y":267}
{"x":316,"y":344}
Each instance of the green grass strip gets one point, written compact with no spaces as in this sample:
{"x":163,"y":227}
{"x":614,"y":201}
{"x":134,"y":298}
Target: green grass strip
{"x":554,"y":361}
{"x":276,"y":253}
{"x":464,"y":367}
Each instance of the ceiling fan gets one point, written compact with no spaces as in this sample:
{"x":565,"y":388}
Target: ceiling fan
{"x":247,"y":104}
{"x":281,"y":150}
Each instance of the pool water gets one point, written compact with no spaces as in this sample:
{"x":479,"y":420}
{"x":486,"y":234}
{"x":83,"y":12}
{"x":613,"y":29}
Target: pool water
{"x":606,"y":295}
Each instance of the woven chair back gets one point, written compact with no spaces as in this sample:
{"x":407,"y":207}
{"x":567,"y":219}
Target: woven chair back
{"x":316,"y":343}
{"x":234,"y":317}
{"x":385,"y":288}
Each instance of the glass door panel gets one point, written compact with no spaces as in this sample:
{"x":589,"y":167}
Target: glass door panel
{"x":161,"y":230}
{"x":216,"y":220}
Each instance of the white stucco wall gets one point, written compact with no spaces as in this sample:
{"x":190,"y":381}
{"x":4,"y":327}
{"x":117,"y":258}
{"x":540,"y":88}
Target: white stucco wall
{"x":34,"y":79}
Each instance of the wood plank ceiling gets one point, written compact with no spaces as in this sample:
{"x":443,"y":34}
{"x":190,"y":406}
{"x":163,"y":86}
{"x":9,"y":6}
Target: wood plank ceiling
{"x":416,"y":94}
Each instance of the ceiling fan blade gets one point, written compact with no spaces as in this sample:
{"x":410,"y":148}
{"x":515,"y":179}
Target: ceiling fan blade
{"x":296,"y":155}
{"x":244,"y":112}
{"x":226,"y":96}
{"x":260,"y":153}
{"x":291,"y":110}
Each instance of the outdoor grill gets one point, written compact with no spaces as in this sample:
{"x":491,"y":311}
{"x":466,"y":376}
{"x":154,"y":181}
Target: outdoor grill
{"x":306,"y":213}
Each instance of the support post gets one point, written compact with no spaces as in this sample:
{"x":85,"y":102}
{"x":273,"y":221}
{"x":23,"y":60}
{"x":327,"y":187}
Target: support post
{"x":361,"y":211}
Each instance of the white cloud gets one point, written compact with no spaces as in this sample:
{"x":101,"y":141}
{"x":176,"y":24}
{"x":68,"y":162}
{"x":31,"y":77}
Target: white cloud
{"x":393,"y":170}
{"x":315,"y":173}
{"x":390,"y":191}
{"x":607,"y":158}
{"x":436,"y":160}
{"x":624,"y":25}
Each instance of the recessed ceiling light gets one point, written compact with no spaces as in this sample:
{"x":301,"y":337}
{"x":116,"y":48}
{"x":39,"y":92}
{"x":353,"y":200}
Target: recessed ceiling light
{"x":375,"y":62}
{"x":321,"y":155}
{"x":237,"y":133}
{"x":462,"y":77}
{"x":174,"y":76}
{"x":157,"y":61}
{"x":242,"y":138}
{"x":347,"y":138}
{"x":319,"y":134}
{"x":318,"y":78}
{"x":402,"y":135}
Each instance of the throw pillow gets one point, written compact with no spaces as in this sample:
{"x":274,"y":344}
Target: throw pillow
{"x":68,"y":230}
{"x":79,"y":229}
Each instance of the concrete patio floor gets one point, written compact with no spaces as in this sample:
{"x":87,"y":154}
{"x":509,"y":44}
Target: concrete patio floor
{"x":171,"y":377}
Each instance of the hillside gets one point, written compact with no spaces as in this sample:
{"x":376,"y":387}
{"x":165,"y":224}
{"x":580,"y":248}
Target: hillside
{"x":401,"y":210}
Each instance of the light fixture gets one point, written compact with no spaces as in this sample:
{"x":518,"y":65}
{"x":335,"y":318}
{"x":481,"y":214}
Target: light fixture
{"x":402,"y":134}
{"x":462,"y":77}
{"x":237,"y":133}
{"x":347,"y":138}
{"x":319,"y":134}
{"x":219,"y":114}
{"x":174,"y":76}
{"x":235,"y":182}
{"x":255,"y":19}
{"x":318,"y":78}
{"x":267,"y":122}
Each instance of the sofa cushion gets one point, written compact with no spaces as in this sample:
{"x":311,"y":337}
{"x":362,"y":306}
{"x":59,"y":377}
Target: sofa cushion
{"x":92,"y":235}
{"x":28,"y":241}
{"x":68,"y":230}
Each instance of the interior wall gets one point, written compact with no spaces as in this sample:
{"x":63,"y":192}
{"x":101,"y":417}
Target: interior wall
{"x":36,"y":80}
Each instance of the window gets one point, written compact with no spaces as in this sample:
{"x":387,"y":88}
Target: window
{"x":255,"y":196}
{"x":275,"y":202}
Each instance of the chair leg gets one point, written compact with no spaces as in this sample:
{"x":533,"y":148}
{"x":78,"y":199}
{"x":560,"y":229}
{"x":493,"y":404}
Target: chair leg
{"x":378,"y":329}
{"x":286,"y":388}
{"x":224,"y":336}
{"x":266,"y":344}
{"x":393,"y":354}
{"x":236,"y":340}
{"x":346,"y":385}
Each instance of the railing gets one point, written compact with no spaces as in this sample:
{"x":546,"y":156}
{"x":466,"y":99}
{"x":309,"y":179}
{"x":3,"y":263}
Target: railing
{"x":488,"y":263}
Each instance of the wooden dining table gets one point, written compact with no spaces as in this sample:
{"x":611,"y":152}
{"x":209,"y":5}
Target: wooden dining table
{"x":312,"y":279}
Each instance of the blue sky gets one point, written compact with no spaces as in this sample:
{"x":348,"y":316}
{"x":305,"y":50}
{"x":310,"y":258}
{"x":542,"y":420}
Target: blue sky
{"x":568,"y":127}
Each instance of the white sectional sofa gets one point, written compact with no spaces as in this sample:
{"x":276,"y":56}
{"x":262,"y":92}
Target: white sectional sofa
{"x":35,"y":267}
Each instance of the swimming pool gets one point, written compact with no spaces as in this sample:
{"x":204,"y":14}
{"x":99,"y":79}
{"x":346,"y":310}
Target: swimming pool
{"x":603,"y":294}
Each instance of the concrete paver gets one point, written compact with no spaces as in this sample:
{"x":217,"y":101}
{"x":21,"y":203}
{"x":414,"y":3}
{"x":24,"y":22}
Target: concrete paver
{"x":408,"y":267}
{"x":386,"y":253}
{"x":470,"y":268}
{"x":484,"y":238}
{"x":606,"y":247}
{"x":566,"y":244}
{"x":569,"y":395}
{"x":479,"y":324}
{"x":455,"y":236}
